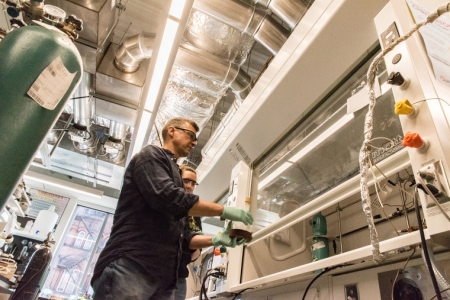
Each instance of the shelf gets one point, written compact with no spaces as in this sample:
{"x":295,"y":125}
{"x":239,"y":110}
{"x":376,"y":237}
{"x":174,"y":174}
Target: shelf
{"x":363,"y":252}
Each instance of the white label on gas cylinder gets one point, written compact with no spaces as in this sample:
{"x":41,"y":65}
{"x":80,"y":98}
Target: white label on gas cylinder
{"x":318,"y":245}
{"x":51,"y":85}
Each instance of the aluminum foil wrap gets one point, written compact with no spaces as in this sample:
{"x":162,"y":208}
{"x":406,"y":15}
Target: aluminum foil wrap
{"x":211,"y":35}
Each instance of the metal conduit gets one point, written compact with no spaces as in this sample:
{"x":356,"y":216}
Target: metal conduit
{"x":133,"y":50}
{"x":82,"y":104}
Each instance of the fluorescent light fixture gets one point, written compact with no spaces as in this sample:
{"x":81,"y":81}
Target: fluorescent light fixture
{"x":176,"y":8}
{"x":161,"y":63}
{"x":309,"y":147}
{"x":64,"y":185}
{"x":141,"y":132}
{"x":158,"y":72}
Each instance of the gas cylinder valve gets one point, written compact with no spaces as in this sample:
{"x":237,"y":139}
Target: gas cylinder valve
{"x":395,"y":78}
{"x":404,"y":107}
{"x":414,"y":140}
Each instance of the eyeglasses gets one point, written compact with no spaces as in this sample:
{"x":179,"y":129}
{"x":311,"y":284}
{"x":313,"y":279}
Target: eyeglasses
{"x":189,"y":181}
{"x":192,"y":135}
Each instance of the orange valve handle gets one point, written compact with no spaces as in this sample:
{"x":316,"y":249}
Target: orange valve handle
{"x":413,"y":140}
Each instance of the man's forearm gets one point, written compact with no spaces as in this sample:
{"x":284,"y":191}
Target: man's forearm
{"x":206,"y":209}
{"x":200,"y":241}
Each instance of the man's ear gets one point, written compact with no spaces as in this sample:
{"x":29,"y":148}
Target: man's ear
{"x":170,"y":131}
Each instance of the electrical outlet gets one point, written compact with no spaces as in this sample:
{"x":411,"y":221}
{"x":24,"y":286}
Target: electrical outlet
{"x":351,"y":292}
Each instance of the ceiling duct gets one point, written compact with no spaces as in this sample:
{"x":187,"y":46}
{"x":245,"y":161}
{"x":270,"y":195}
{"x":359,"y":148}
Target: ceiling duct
{"x":209,"y":34}
{"x":251,"y":19}
{"x":83,"y":138}
{"x":133,"y":50}
{"x":289,"y":11}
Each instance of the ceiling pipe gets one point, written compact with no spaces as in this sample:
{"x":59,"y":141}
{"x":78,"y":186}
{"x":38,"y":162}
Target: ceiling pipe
{"x":133,"y":50}
{"x":250,"y":19}
{"x":222,"y":71}
{"x":289,"y":11}
{"x":202,"y":63}
{"x":117,"y":131}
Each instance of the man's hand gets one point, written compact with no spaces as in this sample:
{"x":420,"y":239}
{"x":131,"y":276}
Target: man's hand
{"x":223,"y":239}
{"x":237,"y":214}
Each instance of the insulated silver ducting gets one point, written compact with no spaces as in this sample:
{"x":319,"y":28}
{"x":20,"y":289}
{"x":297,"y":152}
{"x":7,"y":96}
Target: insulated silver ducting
{"x":199,"y":62}
{"x":215,"y":37}
{"x":188,"y":94}
{"x":114,"y":148}
{"x":117,"y":131}
{"x":247,"y":18}
{"x":82,"y":103}
{"x":221,"y":71}
{"x":83,"y":111}
{"x":133,"y":50}
{"x":289,"y":11}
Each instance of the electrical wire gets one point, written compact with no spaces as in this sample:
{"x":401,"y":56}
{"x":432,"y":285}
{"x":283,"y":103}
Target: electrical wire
{"x":440,"y":293}
{"x":424,"y":185}
{"x":401,"y":270}
{"x":320,"y":274}
{"x":239,"y":293}
{"x":365,"y":151}
{"x":203,"y":289}
{"x":424,"y":246}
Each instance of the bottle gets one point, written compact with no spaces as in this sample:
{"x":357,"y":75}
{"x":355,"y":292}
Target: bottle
{"x":45,"y":221}
{"x":28,"y":226}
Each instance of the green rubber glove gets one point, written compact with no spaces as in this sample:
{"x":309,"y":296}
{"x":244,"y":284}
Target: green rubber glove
{"x":223,"y":239}
{"x":237,"y":214}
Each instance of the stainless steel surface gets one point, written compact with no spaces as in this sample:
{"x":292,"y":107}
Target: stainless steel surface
{"x":117,"y":130}
{"x":133,"y":50}
{"x":112,"y":82}
{"x":115,"y":112}
{"x":241,"y":85}
{"x":206,"y":65}
{"x":234,"y":13}
{"x":290,"y":11}
{"x":83,"y":102}
{"x":217,"y":38}
{"x":271,"y":35}
{"x":90,"y":56}
{"x":98,"y":17}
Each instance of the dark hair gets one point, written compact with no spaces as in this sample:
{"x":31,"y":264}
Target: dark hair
{"x":177,"y":122}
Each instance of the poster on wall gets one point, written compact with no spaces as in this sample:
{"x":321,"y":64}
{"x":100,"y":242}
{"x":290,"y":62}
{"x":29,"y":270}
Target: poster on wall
{"x":436,"y":37}
{"x":43,"y":200}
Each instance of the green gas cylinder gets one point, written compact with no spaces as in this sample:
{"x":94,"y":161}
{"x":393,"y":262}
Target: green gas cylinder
{"x":320,"y":246}
{"x":24,"y":54}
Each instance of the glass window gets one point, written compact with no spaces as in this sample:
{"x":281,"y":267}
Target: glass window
{"x":80,"y":238}
{"x":323,"y":150}
{"x":71,"y":268}
{"x":88,"y":243}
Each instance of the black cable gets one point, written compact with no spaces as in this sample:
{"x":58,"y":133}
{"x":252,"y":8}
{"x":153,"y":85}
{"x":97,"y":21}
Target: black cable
{"x":82,"y":97}
{"x":424,"y":246}
{"x":203,"y":288}
{"x":238,"y":294}
{"x":320,"y":274}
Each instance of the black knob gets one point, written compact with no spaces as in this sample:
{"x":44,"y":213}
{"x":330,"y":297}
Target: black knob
{"x":395,"y":78}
